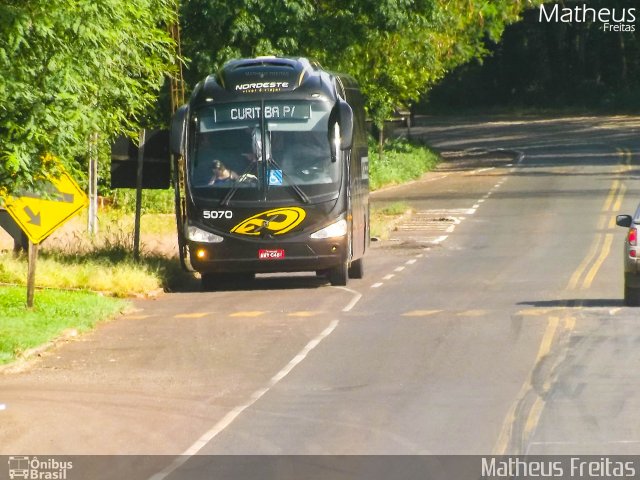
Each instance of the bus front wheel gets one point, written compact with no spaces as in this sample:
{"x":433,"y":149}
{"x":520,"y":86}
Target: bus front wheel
{"x":356,"y":270}
{"x":338,"y":275}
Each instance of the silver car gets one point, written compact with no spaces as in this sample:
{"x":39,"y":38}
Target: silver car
{"x":631,"y":260}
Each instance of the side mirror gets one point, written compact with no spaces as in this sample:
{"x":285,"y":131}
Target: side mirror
{"x":345,"y":119}
{"x":624,"y":220}
{"x":178,"y":127}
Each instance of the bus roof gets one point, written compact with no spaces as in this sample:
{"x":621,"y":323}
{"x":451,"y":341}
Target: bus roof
{"x":268,"y":77}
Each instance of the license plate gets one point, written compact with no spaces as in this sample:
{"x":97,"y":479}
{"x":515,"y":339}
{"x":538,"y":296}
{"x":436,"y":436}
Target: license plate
{"x":275,"y":254}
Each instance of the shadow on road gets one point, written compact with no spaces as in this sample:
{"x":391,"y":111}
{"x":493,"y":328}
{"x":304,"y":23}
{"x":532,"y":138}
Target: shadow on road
{"x":577,"y":303}
{"x":304,"y":281}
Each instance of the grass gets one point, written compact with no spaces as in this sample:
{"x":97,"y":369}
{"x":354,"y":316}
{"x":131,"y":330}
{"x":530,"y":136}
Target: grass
{"x":54,"y":312}
{"x":384,"y":219}
{"x":103,"y":263}
{"x":88,"y":272}
{"x":401,"y":162}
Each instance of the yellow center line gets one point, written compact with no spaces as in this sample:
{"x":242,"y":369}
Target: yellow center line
{"x":618,"y":203}
{"x":612,"y":193}
{"x":602,"y":244}
{"x":606,"y":248}
{"x":507,"y":427}
{"x":575,"y":278}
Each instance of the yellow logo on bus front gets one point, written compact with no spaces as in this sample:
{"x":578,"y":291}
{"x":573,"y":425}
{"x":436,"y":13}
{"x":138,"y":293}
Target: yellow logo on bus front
{"x":276,"y":221}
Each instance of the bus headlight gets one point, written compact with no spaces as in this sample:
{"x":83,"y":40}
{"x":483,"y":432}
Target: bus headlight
{"x":196,"y":234}
{"x":337,"y":229}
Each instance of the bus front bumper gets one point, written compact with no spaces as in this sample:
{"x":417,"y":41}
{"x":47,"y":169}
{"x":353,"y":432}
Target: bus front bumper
{"x":267,"y":257}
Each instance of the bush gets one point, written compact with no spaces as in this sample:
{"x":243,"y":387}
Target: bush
{"x":402,"y":161}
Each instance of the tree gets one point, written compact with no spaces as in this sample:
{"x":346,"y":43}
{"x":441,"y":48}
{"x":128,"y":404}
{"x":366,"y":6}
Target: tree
{"x":396,"y":49}
{"x":579,"y":64}
{"x":70,"y":69}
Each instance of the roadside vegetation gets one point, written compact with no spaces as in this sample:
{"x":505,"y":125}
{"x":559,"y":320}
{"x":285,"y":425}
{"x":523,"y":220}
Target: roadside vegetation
{"x":402,"y":161}
{"x":105,"y":262}
{"x":56,"y":312}
{"x":384,"y":219}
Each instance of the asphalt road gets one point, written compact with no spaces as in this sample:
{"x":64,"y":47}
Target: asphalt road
{"x":490,"y":323}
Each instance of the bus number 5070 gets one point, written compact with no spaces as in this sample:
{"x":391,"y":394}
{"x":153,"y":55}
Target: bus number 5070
{"x":216,"y":214}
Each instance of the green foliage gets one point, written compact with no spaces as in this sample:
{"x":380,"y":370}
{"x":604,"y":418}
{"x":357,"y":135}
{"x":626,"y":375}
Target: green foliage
{"x":54,"y":312}
{"x":402,"y":161}
{"x":70,"y":69}
{"x":153,"y":201}
{"x":396,"y":49}
{"x":551,"y":65}
{"x":385,"y":218}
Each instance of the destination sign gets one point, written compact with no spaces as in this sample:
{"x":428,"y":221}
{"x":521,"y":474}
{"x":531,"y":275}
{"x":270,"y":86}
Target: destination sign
{"x":241,"y":112}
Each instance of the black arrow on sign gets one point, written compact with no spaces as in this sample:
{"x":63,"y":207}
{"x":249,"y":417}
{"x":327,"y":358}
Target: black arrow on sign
{"x":50,"y":193}
{"x":66,"y":197}
{"x":33,"y":217}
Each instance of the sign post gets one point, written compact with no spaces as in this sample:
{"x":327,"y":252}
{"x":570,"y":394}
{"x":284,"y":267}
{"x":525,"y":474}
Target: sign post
{"x":39,"y":214}
{"x":31,"y":273}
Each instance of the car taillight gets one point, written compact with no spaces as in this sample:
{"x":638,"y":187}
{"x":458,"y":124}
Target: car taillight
{"x":633,"y":236}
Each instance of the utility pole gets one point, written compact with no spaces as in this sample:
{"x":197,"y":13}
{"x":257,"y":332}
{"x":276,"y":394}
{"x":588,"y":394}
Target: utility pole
{"x":92,"y":220}
{"x":136,"y":228}
{"x":178,"y":99}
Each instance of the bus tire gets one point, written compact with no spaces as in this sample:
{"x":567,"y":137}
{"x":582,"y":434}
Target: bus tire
{"x":338,"y":275}
{"x":356,"y":269}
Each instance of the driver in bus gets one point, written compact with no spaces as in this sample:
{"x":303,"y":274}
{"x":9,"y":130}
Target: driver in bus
{"x":221,"y":174}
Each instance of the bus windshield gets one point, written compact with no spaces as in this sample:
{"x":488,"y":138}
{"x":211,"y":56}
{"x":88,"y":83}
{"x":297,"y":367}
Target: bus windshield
{"x":230,"y":157}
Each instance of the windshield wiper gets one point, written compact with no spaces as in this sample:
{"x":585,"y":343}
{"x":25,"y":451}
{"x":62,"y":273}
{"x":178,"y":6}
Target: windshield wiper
{"x":303,"y":196}
{"x":236,"y":185}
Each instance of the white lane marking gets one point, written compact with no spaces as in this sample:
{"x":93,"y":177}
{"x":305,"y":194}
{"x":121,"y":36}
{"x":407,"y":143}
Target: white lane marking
{"x":233,"y":414}
{"x":411,"y":262}
{"x":398,"y":269}
{"x":440,"y":239}
{"x":356,"y":298}
{"x":476,"y":206}
{"x":450,"y":229}
{"x":481,"y":200}
{"x":485,"y":169}
{"x":376,"y":285}
{"x":388,"y":277}
{"x":420,"y":255}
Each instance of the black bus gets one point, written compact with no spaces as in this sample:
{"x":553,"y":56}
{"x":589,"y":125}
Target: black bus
{"x":272,"y":172}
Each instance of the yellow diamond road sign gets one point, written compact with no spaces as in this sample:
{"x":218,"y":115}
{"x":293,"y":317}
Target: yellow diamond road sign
{"x":40,"y":214}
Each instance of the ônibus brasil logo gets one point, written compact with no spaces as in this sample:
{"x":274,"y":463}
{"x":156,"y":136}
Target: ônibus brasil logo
{"x":32,"y":468}
{"x":612,"y":19}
